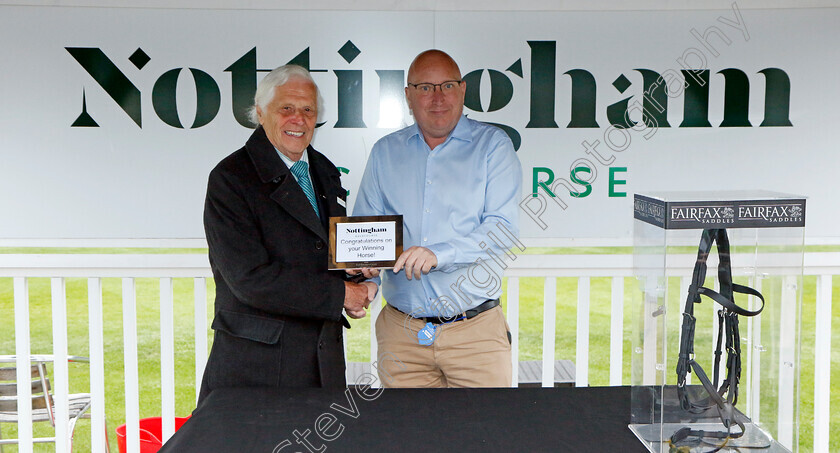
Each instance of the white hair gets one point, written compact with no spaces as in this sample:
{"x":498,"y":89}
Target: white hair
{"x":277,"y":77}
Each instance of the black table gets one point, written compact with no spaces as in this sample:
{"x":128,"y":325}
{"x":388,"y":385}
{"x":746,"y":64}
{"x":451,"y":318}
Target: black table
{"x":410,"y":420}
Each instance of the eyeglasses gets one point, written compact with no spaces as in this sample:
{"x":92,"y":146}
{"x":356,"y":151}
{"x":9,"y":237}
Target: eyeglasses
{"x":426,"y":89}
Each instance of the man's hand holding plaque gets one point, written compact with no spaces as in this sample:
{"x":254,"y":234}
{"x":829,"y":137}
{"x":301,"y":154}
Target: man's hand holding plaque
{"x":416,"y":261}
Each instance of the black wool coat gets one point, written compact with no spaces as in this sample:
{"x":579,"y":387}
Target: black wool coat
{"x":278,"y":314}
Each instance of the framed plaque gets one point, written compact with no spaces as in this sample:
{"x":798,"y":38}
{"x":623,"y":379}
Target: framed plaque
{"x":365,"y":241}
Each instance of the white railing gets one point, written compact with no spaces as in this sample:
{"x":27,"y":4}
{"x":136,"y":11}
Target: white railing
{"x":95,"y":268}
{"x":166,"y":267}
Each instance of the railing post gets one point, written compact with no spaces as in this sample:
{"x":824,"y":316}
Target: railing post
{"x":650,"y":347}
{"x":97,"y":367}
{"x":787,"y":360}
{"x":61,"y":386}
{"x":747,"y":350}
{"x":754,"y":398}
{"x":616,"y":331}
{"x":582,"y":336}
{"x":822,"y":364}
{"x":513,"y":322}
{"x":22,"y":350}
{"x":167,"y":359}
{"x":132,"y":386}
{"x":549,"y":322}
{"x":375,"y":309}
{"x":200,"y":327}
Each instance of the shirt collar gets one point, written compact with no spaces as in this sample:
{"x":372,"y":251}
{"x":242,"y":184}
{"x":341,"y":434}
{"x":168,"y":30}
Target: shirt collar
{"x":462,"y":131}
{"x":289,"y":162}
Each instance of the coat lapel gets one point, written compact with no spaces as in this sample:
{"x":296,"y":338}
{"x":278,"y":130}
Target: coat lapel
{"x":291,"y":198}
{"x":287,"y":193}
{"x":328,"y":184}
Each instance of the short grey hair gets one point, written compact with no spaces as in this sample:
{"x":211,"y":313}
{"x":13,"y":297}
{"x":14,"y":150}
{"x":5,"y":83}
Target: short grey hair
{"x":277,"y":77}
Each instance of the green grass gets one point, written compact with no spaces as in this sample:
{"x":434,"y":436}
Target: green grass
{"x":148,"y":319}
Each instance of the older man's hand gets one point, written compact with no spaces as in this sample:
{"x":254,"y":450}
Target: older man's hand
{"x":357,"y":297}
{"x":416,"y":261}
{"x":356,"y":314}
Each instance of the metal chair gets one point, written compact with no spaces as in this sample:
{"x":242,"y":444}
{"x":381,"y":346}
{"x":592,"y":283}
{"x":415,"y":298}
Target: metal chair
{"x":43,"y":406}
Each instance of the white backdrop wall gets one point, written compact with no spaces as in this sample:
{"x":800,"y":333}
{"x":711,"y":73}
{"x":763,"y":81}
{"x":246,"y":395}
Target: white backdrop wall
{"x":137,"y":174}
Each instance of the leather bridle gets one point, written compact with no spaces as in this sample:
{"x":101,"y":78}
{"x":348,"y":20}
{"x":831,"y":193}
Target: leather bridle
{"x":724,"y":397}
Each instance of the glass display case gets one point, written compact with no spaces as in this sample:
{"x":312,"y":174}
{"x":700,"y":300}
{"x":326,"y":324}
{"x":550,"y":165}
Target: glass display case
{"x":715,"y":360}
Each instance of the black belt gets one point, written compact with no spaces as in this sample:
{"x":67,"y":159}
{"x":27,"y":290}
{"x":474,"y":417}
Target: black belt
{"x":471,"y":313}
{"x":728,"y":328}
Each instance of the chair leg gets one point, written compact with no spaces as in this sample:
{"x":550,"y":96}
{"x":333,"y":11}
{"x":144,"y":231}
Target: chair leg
{"x":107,"y":442}
{"x":72,"y":431}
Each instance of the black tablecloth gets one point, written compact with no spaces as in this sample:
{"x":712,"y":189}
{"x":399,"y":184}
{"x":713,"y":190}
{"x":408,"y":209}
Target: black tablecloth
{"x":410,"y":420}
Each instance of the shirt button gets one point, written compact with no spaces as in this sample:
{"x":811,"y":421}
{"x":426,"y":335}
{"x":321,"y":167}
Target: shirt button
{"x":319,"y":244}
{"x":428,"y":210}
{"x":429,"y":181}
{"x":425,"y":239}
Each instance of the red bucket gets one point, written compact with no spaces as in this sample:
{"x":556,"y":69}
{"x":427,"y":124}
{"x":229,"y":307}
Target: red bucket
{"x":151,"y":432}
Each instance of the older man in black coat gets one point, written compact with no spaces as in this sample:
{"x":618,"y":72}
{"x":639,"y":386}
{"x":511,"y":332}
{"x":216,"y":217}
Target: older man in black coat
{"x":278,"y":318}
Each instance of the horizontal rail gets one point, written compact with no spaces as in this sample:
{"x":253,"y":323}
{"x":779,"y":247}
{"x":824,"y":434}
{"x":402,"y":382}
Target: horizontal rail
{"x":198,"y":265}
{"x":202,"y":243}
{"x":114,"y":265}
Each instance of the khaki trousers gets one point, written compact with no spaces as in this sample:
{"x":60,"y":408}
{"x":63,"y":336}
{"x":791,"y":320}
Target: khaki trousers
{"x":469,"y":353}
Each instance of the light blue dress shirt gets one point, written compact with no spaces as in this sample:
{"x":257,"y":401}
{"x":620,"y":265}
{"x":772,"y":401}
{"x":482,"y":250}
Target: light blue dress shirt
{"x":459,"y":200}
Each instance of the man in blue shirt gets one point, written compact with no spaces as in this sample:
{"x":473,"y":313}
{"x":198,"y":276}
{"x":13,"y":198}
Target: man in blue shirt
{"x":456,"y":182}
